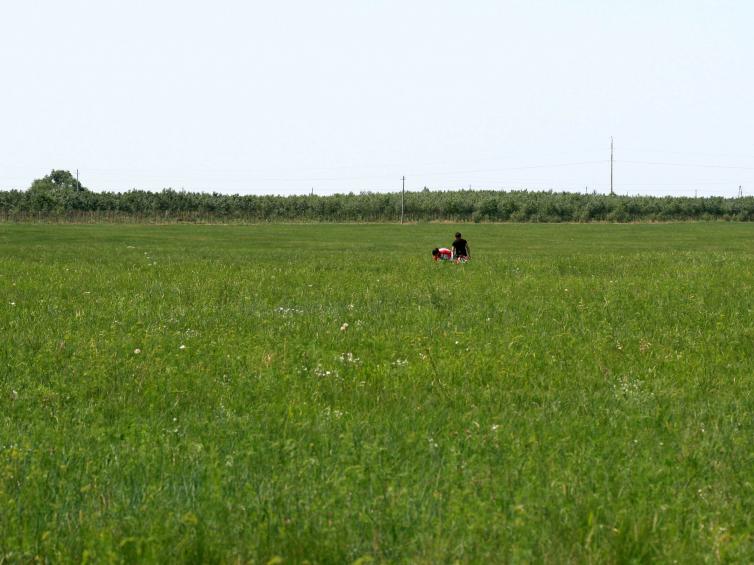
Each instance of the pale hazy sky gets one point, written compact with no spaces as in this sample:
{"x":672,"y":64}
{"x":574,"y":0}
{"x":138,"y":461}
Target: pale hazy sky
{"x":280,"y":97}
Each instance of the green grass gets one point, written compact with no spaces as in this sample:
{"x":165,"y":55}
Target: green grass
{"x":576,"y":393}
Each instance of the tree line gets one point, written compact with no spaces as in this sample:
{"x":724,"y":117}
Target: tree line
{"x":60,"y":197}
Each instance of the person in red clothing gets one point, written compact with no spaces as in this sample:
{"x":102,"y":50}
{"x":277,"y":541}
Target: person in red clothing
{"x":442,"y":254}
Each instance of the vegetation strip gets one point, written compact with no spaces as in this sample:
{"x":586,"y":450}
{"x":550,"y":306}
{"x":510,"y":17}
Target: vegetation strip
{"x":59,"y":197}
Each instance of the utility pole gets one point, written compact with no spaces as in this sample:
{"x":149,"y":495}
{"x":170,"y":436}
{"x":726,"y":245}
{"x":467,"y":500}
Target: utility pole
{"x":611,"y":166}
{"x":740,"y":191}
{"x":77,"y":179}
{"x":403,"y":195}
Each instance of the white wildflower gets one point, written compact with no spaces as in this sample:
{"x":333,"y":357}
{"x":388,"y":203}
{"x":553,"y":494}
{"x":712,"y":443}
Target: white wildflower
{"x":320,"y":372}
{"x":284,"y":310}
{"x":331,"y":413}
{"x":137,"y":351}
{"x":344,"y":327}
{"x":349,"y":358}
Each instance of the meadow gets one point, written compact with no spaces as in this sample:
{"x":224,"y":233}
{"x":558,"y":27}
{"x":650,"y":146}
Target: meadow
{"x":328,"y":394}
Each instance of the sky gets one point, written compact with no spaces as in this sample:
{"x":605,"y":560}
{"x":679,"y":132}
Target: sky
{"x":294,"y":96}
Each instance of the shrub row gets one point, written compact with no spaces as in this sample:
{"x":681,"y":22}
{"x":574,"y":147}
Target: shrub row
{"x":464,"y":206}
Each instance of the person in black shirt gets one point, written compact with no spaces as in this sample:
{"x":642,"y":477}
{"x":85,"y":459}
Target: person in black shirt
{"x":461,"y":249}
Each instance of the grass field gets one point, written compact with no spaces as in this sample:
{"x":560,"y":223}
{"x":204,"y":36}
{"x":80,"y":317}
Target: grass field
{"x":576,"y":393}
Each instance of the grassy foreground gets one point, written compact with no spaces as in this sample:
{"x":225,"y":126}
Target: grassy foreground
{"x":327,"y":393}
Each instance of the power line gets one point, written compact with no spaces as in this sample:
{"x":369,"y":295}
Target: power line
{"x":387,"y":175}
{"x":701,"y":165}
{"x":519,"y":168}
{"x":692,"y":153}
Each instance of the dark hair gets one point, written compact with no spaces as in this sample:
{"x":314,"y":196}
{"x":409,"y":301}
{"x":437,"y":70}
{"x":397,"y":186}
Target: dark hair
{"x":435,"y":251}
{"x":458,"y":234}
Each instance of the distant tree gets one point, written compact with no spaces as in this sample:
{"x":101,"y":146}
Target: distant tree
{"x":57,"y":181}
{"x":59,"y":191}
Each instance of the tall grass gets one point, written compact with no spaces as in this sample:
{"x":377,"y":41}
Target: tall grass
{"x":328,"y":393}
